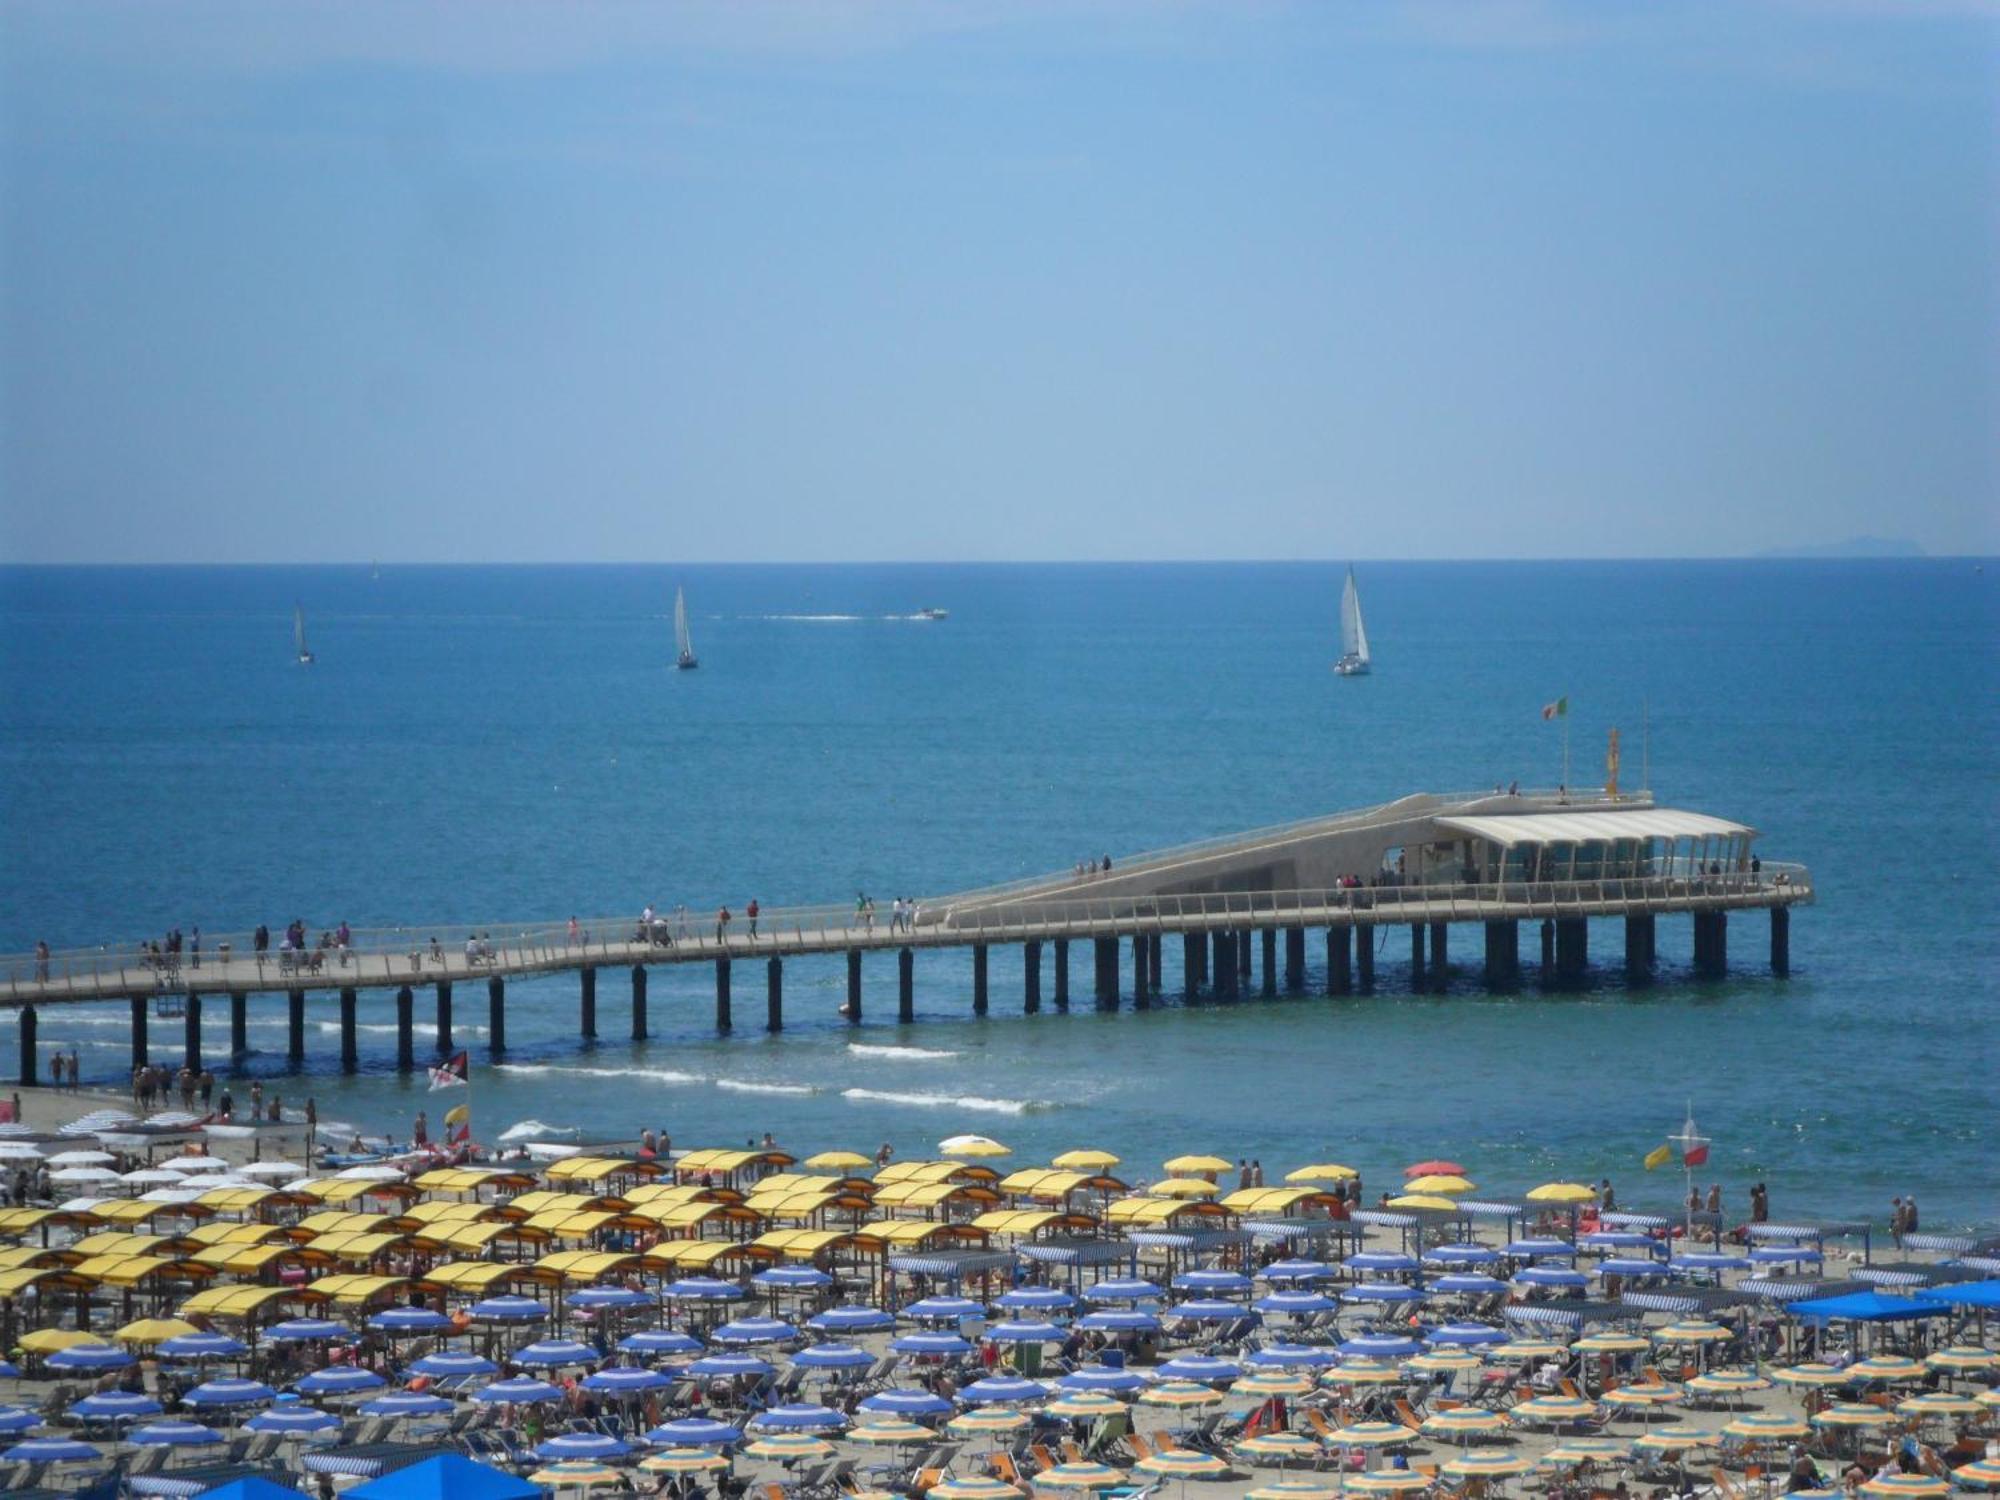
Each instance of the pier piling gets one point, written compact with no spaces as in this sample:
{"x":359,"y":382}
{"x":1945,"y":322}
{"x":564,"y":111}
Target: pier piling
{"x":1416,"y":958}
{"x":1572,"y":949}
{"x":722,"y":1017}
{"x":443,"y":1014}
{"x":295,"y":1027}
{"x":1153,"y":945}
{"x":1031,"y":976}
{"x":979,"y":979}
{"x":192,"y":1032}
{"x":1339,"y":960}
{"x":906,"y":986}
{"x":1711,"y":943}
{"x":139,"y":1031}
{"x":1269,"y":943}
{"x":774,"y":993}
{"x":496,"y":1014}
{"x":1638,"y":945}
{"x":1440,"y":953}
{"x":1295,"y":959}
{"x":1142,"y":984}
{"x":1228,"y":979}
{"x":1503,"y":954}
{"x":406,"y":1051}
{"x":350,"y":1054}
{"x":1193,"y":951}
{"x":587,"y":981}
{"x":1548,"y":968}
{"x":638,"y":1002}
{"x":1106,"y":954}
{"x":1364,"y":958}
{"x":239,"y":1025}
{"x":1781,"y":940}
{"x":1242,"y":941}
{"x":1062,"y":973}
{"x":28,"y":1023}
{"x":853,"y":984}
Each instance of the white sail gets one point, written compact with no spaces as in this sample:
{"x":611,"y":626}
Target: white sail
{"x":683,"y":644}
{"x":299,"y":634}
{"x":1353,"y":634}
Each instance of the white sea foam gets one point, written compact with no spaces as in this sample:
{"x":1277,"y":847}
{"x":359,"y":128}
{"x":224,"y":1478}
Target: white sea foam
{"x":944,"y":1101}
{"x":535,"y":1130}
{"x":657,"y":1075}
{"x":389,"y":1028}
{"x":745,"y":1086}
{"x":900,"y":1054}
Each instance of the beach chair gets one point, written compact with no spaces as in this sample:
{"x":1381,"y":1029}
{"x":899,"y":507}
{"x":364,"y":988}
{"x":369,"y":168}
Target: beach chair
{"x":1044,"y":1460}
{"x":1002,"y":1465}
{"x":1141,"y":1449}
{"x":262,"y":1447}
{"x":1071,"y":1453}
{"x":146,"y":1461}
{"x":926,"y":1480}
{"x":1407,"y":1416}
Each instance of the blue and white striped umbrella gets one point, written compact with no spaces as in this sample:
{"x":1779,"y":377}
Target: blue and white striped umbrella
{"x":582,"y":1445}
{"x":657,"y":1341}
{"x":1035,"y":1299}
{"x":1025,"y":1331}
{"x":1212,"y":1283}
{"x":452,"y":1364}
{"x":850,"y":1320}
{"x":1211,"y":1310}
{"x":617,"y":1298}
{"x":507,"y":1310}
{"x":1459,"y":1256}
{"x":15,"y":1419}
{"x":52,"y":1450}
{"x":410,"y":1322}
{"x":1291,"y":1357}
{"x":754,"y":1331}
{"x":1203,"y":1369}
{"x":91,"y":1357}
{"x":730,"y":1366}
{"x":520,"y":1390}
{"x":1631,"y":1267}
{"x":799,"y":1416}
{"x":1708,"y":1260}
{"x":1294,"y":1304}
{"x":833,"y":1357}
{"x":9,"y":1370}
{"x":293,"y":1420}
{"x":1541,"y":1249}
{"x":695,"y":1432}
{"x":1469,"y":1284}
{"x":1616,"y":1239}
{"x":174,"y":1435}
{"x":339,"y":1380}
{"x":901,"y":1402}
{"x":704,"y":1289}
{"x":1297,"y":1270}
{"x":1376,"y":1262}
{"x":791,"y":1279}
{"x":1380,"y":1292}
{"x":202,"y":1346}
{"x":307,"y":1331}
{"x":1124,"y":1289}
{"x":1379,"y":1346}
{"x":625,"y":1380}
{"x":1002,"y":1389}
{"x":1558,"y":1276}
{"x":1101,"y":1378}
{"x":1466,"y":1335}
{"x":942,"y":1309}
{"x":228,"y":1393}
{"x":930,"y":1343}
{"x":406,"y":1404}
{"x":1118,"y":1320}
{"x":555,"y":1354}
{"x":113,"y":1406}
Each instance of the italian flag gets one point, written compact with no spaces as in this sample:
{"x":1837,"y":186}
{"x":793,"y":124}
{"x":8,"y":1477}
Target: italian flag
{"x":1556,"y":710}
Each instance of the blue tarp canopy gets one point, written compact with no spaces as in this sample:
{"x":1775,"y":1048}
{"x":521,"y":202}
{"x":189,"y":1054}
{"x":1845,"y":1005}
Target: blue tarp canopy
{"x":1963,"y":1294}
{"x":447,"y":1477}
{"x":251,"y":1488}
{"x":1863,"y":1307}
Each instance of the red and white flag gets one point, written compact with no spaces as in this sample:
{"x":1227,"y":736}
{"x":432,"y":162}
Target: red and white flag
{"x":453,"y":1073}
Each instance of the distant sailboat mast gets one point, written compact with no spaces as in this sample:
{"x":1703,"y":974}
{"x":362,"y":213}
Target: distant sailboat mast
{"x":299,"y":636}
{"x":1353,"y":634}
{"x":684,"y":656}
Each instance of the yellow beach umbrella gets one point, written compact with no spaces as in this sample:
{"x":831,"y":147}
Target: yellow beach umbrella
{"x":1430,"y":1201}
{"x":1562,"y":1192}
{"x":1486,"y":1466}
{"x":1178,"y":1393}
{"x":1188,"y":1166}
{"x":1388,"y":1481}
{"x":1443,"y":1362}
{"x":1982,"y":1473}
{"x":1640,"y":1393}
{"x":579,"y":1475}
{"x":1084,"y":1405}
{"x":1292,"y":1489}
{"x":1695,"y":1332}
{"x":153,"y":1331}
{"x":1363,"y":1372}
{"x":1728,"y":1383}
{"x":1676,"y":1440}
{"x":1810,"y":1374}
{"x":1284,"y":1447}
{"x":1267,"y":1383}
{"x":1083,"y":1476}
{"x":1324,"y":1171}
{"x":1085,"y":1160}
{"x":838,"y":1161}
{"x":1611,"y":1343}
{"x":1371,"y":1435}
{"x":1989,"y":1398}
{"x":1183,"y":1187}
{"x":1852,"y":1414}
{"x":687,"y":1461}
{"x":1767,"y":1427}
{"x":1465,"y":1421}
{"x":1522,"y":1349}
{"x":48,"y":1340}
{"x":988,"y":1419}
{"x":1886,"y":1367}
{"x":1938,"y":1405}
{"x":1438,"y":1182}
{"x":789,"y":1445}
{"x":1963,"y":1359}
{"x":972,"y":1146}
{"x":891,"y":1434}
{"x":974,"y":1487}
{"x":1179,"y":1463}
{"x":1589,"y":1451}
{"x":1906,"y":1486}
{"x":1556,"y":1410}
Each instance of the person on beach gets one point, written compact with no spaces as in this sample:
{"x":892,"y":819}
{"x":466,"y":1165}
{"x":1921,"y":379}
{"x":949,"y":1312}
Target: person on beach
{"x":648,"y":1145}
{"x":882,"y":1156}
{"x":1607,"y":1200}
{"x":420,"y":1131}
{"x":207,"y":1085}
{"x":1242,"y":1172}
{"x":1760,"y":1204}
{"x":1256,"y":1174}
{"x":1715,"y":1197}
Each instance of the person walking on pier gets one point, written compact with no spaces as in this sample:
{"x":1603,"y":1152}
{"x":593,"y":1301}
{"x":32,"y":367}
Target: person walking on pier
{"x":41,"y":962}
{"x":721,"y":923}
{"x":750,"y":911}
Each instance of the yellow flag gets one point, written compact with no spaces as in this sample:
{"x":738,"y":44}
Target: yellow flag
{"x":459,"y":1114}
{"x":1659,"y":1156}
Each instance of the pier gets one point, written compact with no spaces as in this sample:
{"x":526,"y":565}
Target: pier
{"x":1410,"y":870}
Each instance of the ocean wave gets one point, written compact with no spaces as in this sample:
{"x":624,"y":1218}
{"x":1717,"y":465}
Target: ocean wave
{"x":813,"y":619}
{"x":946,"y":1101}
{"x":389,"y":1028}
{"x":900,"y":1054}
{"x":658,"y":1075}
{"x":742,"y":1086}
{"x":536,"y":1130}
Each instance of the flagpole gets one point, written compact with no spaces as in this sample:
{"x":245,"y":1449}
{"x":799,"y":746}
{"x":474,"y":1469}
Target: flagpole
{"x":1645,"y":745}
{"x":1565,"y":718}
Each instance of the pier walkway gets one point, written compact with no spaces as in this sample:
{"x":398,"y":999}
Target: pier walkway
{"x":1423,"y":864}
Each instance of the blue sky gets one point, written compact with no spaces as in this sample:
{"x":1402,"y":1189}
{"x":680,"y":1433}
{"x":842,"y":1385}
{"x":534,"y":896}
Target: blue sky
{"x":987,"y":280}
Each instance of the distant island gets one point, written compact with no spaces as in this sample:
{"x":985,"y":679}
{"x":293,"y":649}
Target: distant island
{"x":1856,"y":546}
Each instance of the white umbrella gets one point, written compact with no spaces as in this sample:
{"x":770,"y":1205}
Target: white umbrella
{"x":195,"y":1164}
{"x":84,"y":1174}
{"x":81,"y":1205}
{"x":19,"y":1151}
{"x":152,"y":1177}
{"x":371,"y":1174}
{"x":172,"y":1119}
{"x":82,"y":1159}
{"x":171,"y":1194}
{"x":272,"y":1169}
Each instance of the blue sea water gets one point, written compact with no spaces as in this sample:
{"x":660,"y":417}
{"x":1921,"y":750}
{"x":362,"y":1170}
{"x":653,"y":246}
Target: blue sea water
{"x":500,"y":745}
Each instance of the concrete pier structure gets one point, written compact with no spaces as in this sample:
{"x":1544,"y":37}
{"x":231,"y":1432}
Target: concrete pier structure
{"x":295,"y":1027}
{"x":853,"y":1011}
{"x":979,"y":979}
{"x":496,"y":1014}
{"x":1440,"y":954}
{"x":1364,"y":959}
{"x":1639,"y":937}
{"x":724,"y":1021}
{"x":906,"y":986}
{"x":1572,"y":949}
{"x":1503,"y":954}
{"x":1340,"y":959}
{"x":406,"y":1041}
{"x":639,"y":1028}
{"x":443,"y":1014}
{"x":587,"y":1003}
{"x":239,"y":1026}
{"x":774,"y":993}
{"x":1142,"y":982}
{"x":1268,"y":941}
{"x":1031,"y":976}
{"x":350,"y":1054}
{"x":30,"y":1073}
{"x":140,"y":1009}
{"x":1781,"y":940}
{"x":1062,"y":973}
{"x":1417,"y":958}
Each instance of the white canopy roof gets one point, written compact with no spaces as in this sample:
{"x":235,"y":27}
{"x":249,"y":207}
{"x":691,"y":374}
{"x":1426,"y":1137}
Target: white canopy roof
{"x":1579,"y":827}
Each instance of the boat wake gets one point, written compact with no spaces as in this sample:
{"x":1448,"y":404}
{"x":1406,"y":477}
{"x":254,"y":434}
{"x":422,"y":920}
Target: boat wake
{"x":946,"y":1101}
{"x":741,"y":1086}
{"x":536,"y":1130}
{"x":900,"y":1054}
{"x":658,"y":1075}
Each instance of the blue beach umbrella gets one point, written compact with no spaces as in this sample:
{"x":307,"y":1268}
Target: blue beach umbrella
{"x":616,"y":1298}
{"x":1708,"y":1260}
{"x":905,"y":1403}
{"x":850,"y":1320}
{"x":833,"y":1357}
{"x":293,"y":1420}
{"x":410,"y":1322}
{"x":582,"y":1445}
{"x":1212,"y":1310}
{"x":1212,"y":1283}
{"x":930,"y":1343}
{"x":519,"y":1390}
{"x":1118,"y":1320}
{"x":1377,"y":1262}
{"x":1550,"y":1276}
{"x":1036,"y":1299}
{"x":729,"y":1366}
{"x":507,"y":1310}
{"x":1203,"y":1369}
{"x":1615,"y":1239}
{"x":1003,"y":1390}
{"x":448,"y":1364}
{"x":15,"y":1419}
{"x":1297,"y":1270}
{"x":1124,"y":1289}
{"x":1468,"y":1284}
{"x":554,"y":1354}
{"x":113,"y":1406}
{"x":704,"y":1289}
{"x":1784,"y":1254}
{"x":1103,"y":1379}
{"x":91,"y":1357}
{"x":800,"y":1416}
{"x":1541,"y":1249}
{"x":1290,"y":1357}
{"x":307,"y":1331}
{"x":174,"y":1435}
{"x":625,"y":1380}
{"x":1460,"y":1256}
{"x":695,"y":1432}
{"x":1630,"y":1267}
{"x":52,"y":1450}
{"x":1295,"y":1304}
{"x":1379,"y":1346}
{"x":1025,"y":1331}
{"x":406,"y":1404}
{"x":942,"y":1309}
{"x":226,"y":1393}
{"x":1466,"y":1335}
{"x":202,"y":1346}
{"x":754,"y":1331}
{"x":9,"y":1370}
{"x":339,"y":1380}
{"x":791,"y":1279}
{"x":1381,"y":1291}
{"x":658,"y":1341}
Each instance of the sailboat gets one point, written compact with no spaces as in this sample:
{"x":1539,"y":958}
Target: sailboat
{"x":684,"y":656}
{"x":299,"y":636}
{"x":1353,"y":635}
